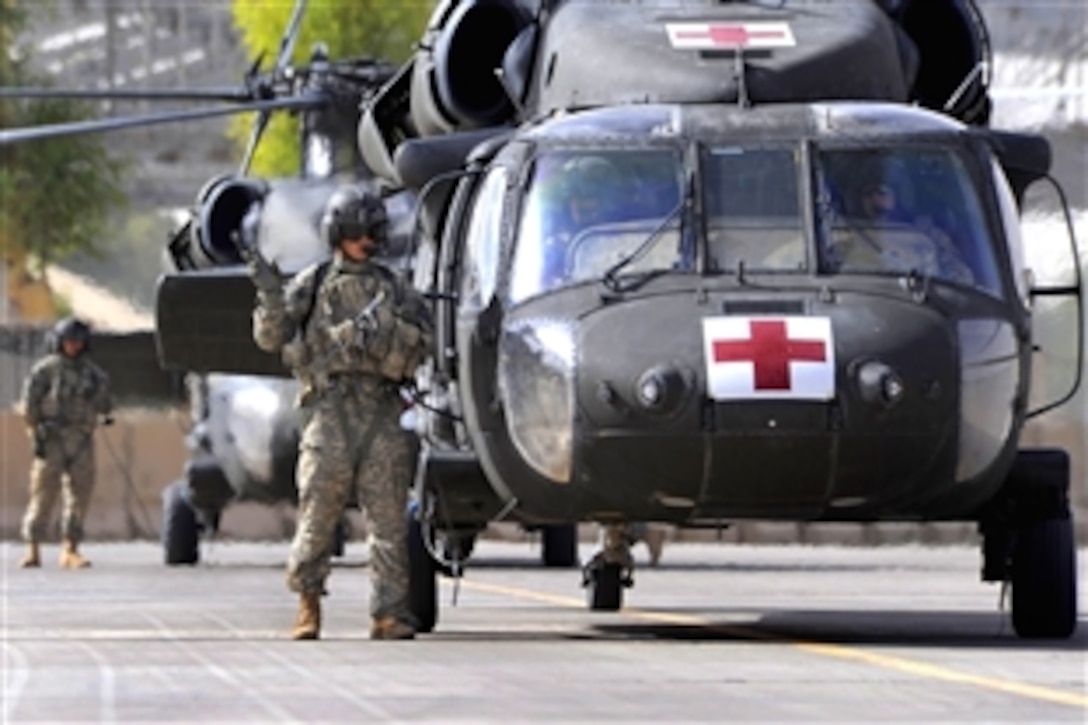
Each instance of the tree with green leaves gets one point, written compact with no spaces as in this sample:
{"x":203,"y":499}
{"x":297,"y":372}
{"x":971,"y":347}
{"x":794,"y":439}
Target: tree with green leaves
{"x":383,"y":29}
{"x":55,"y":195}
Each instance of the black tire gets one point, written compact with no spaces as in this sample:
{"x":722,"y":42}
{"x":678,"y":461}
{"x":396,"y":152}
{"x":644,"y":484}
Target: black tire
{"x":604,"y":592}
{"x":1044,"y":580}
{"x":559,"y":545}
{"x":422,"y":579}
{"x":180,"y":528}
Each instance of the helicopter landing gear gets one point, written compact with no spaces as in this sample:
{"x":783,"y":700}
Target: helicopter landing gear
{"x":180,"y":526}
{"x":1031,"y":545}
{"x":1044,"y":601}
{"x":457,"y":547}
{"x":610,"y":571}
{"x":559,"y":545}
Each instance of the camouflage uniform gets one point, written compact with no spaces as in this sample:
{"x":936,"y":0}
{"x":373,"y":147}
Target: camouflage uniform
{"x":351,"y":439}
{"x":62,"y":398}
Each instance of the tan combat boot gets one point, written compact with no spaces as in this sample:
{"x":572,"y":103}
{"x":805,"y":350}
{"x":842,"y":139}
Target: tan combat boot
{"x":33,"y":557}
{"x":308,"y":625}
{"x":70,"y":558}
{"x":391,"y":628}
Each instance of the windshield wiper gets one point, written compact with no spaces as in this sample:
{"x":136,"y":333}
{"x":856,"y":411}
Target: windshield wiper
{"x":610,"y":278}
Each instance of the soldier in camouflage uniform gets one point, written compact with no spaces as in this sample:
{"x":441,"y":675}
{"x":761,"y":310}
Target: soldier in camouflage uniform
{"x":352,"y":332}
{"x":63,"y":398}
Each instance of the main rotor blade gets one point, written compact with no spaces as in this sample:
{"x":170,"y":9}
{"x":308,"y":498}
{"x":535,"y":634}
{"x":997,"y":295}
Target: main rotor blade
{"x":255,"y":134}
{"x":76,"y":128}
{"x":287,"y":47}
{"x":150,"y":94}
{"x":287,"y":44}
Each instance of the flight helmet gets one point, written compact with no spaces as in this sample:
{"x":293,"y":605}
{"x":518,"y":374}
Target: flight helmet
{"x":591,"y":186}
{"x":352,"y":213}
{"x":70,"y":328}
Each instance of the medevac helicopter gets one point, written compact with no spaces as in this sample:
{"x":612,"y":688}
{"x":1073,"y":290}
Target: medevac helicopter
{"x":243,"y":439}
{"x":742,"y":330}
{"x":736,"y":335}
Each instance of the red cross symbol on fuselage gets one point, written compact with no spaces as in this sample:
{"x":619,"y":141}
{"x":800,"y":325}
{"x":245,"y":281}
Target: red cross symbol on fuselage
{"x":770,"y":350}
{"x":731,"y":36}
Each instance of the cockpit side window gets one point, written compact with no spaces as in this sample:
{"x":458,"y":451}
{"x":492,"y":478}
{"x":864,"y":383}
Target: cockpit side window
{"x":1010,"y":217}
{"x":480,"y":265}
{"x":753,"y":213}
{"x":904,"y":209}
{"x":585,"y":210}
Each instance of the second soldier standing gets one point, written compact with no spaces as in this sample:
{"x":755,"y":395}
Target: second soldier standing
{"x":352,"y":332}
{"x":64,"y":398}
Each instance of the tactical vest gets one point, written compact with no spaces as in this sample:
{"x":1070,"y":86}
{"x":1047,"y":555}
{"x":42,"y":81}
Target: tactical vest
{"x":393,"y":351}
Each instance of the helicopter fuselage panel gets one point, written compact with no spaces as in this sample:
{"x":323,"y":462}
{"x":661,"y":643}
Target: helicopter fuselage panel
{"x":898,"y":426}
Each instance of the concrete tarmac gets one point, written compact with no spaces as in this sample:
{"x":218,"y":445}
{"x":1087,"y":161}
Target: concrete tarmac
{"x":715,"y":633}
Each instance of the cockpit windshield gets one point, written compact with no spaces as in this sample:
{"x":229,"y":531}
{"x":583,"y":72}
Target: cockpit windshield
{"x":908,"y":209}
{"x":596,"y":214}
{"x":753,"y":211}
{"x":587,"y":210}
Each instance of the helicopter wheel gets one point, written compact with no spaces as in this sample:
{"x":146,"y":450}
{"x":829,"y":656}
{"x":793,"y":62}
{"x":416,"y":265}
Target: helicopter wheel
{"x":604,"y":587}
{"x":422,"y":579}
{"x":180,"y":528}
{"x":559,"y":545}
{"x":1044,"y":580}
{"x":1043,"y":557}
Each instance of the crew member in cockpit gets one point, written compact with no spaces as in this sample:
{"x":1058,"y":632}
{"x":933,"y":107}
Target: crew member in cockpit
{"x":588,"y":183}
{"x":880,"y":203}
{"x":890,"y":237}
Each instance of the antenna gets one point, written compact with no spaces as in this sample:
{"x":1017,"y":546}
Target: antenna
{"x":742,"y":81}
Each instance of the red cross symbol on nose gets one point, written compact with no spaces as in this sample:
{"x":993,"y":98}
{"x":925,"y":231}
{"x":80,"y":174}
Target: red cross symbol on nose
{"x":770,"y":350}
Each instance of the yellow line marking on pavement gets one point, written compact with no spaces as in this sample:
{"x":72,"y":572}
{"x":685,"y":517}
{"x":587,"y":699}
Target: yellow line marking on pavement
{"x":938,"y":672}
{"x":890,"y":662}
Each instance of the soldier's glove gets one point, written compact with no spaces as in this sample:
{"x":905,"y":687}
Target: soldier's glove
{"x":346,"y":335}
{"x":43,"y":431}
{"x":357,"y":333}
{"x":265,"y":274}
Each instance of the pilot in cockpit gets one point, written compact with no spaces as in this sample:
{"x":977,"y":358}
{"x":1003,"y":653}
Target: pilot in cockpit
{"x":879,"y":203}
{"x":585,"y":189}
{"x":888,"y":235}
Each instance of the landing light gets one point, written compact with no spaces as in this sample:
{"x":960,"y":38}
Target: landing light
{"x":880,"y":384}
{"x":661,"y":389}
{"x":536,"y":382}
{"x":651,"y":392}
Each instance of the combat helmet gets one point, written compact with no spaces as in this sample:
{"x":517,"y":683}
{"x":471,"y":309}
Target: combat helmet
{"x":70,"y":328}
{"x":352,"y":213}
{"x":592,"y":183}
{"x":586,"y":175}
